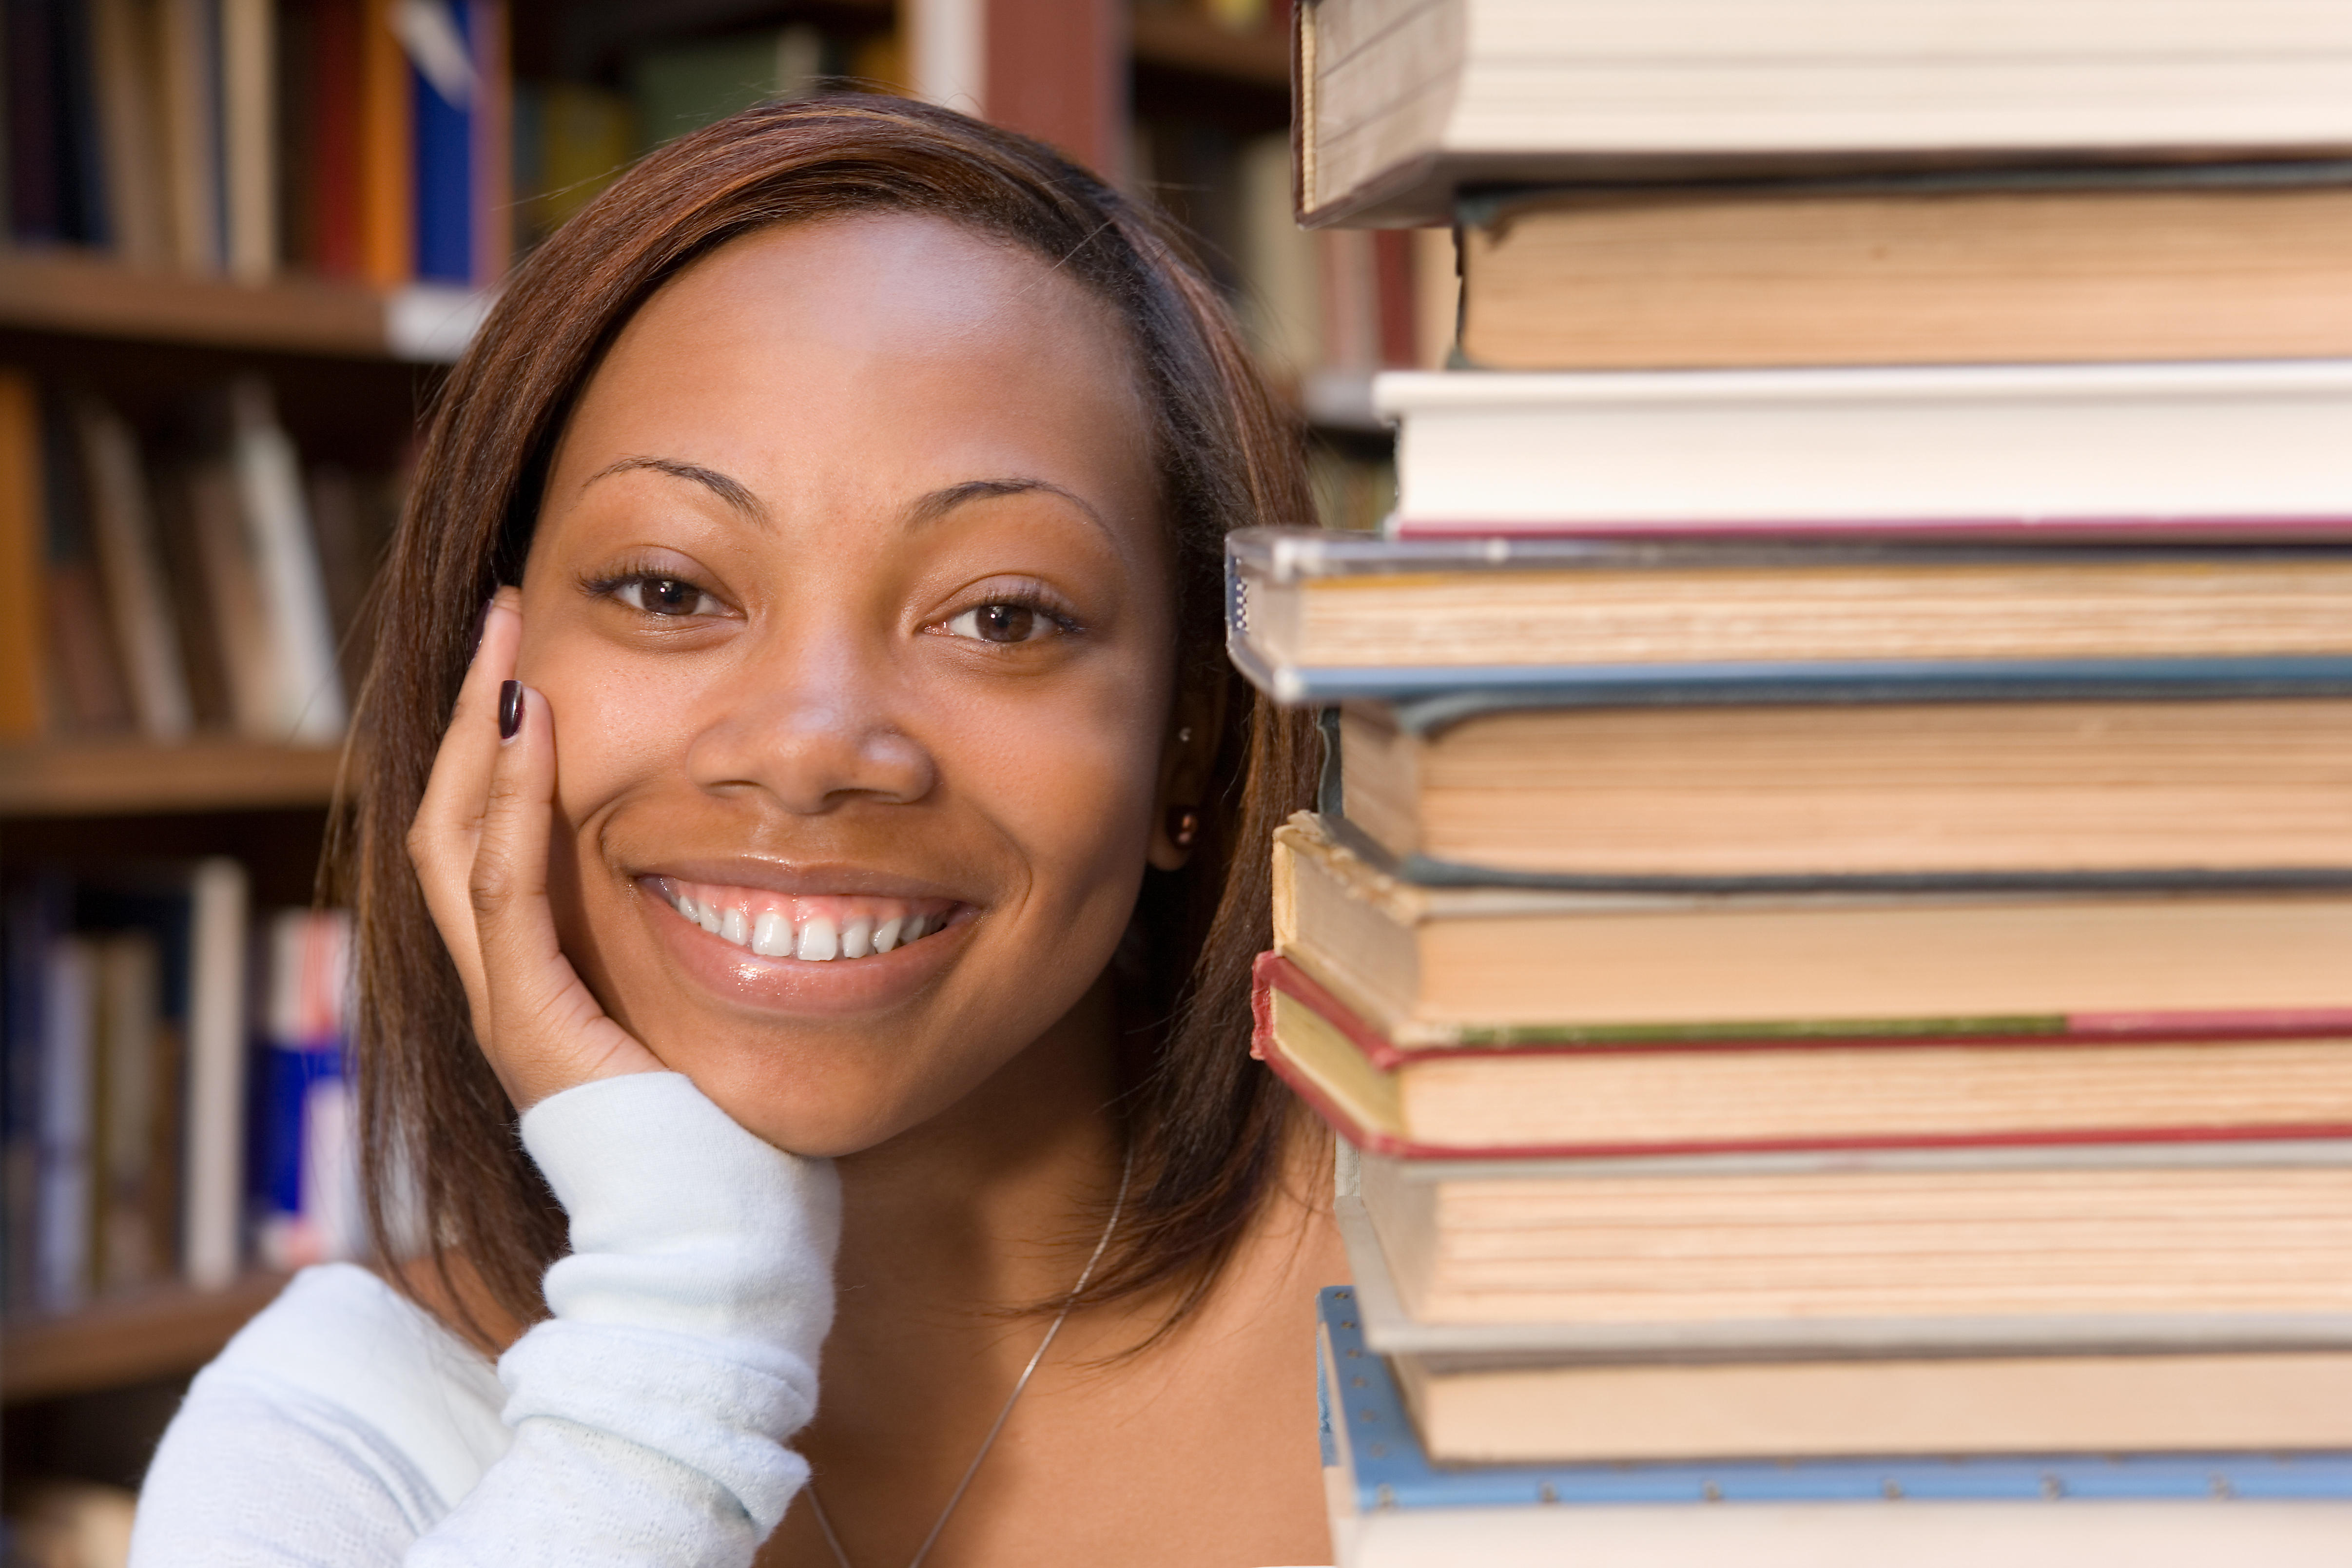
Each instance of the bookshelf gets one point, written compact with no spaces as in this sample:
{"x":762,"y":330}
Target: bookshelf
{"x":112,"y":778}
{"x":350,"y":363}
{"x":162,"y":1333}
{"x":82,"y":294}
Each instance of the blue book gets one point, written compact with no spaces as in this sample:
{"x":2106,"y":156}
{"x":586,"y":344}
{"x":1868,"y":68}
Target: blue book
{"x":1366,"y":1431}
{"x":35,"y":909}
{"x":445,"y":146}
{"x":1391,"y":1507}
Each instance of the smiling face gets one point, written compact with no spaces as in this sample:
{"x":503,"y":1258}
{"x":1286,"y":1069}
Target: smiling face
{"x":850,"y":599}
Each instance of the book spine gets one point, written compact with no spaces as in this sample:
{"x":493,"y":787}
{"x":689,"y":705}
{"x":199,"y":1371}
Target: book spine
{"x":65,"y":1217}
{"x":387,"y":173}
{"x":338,"y":173}
{"x":305,"y":1175}
{"x":35,"y":203}
{"x":24,"y":637}
{"x":308,"y":695}
{"x":249,"y":76}
{"x":129,"y":1252}
{"x":493,"y":142}
{"x":443,"y":84}
{"x":124,"y":530}
{"x":27,"y":919}
{"x":126,"y":94}
{"x":211,"y":1220}
{"x":191,"y":79}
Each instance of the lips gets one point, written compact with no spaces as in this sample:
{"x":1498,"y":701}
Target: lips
{"x":810,"y":927}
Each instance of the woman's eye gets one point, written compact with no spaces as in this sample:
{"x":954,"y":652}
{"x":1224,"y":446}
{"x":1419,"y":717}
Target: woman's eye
{"x":1001,"y":623}
{"x":666,"y":596}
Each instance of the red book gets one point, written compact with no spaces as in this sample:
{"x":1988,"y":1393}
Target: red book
{"x":334,"y":205}
{"x":2138,"y":1079}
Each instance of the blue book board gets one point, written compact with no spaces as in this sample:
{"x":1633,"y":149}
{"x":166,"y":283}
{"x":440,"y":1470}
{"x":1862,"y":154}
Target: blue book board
{"x":1388,"y":1469}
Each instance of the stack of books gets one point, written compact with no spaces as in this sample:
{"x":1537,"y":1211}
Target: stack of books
{"x":1827,"y":932}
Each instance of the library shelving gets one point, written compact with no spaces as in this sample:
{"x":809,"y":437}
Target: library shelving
{"x":350,"y":362}
{"x":165,"y":1333}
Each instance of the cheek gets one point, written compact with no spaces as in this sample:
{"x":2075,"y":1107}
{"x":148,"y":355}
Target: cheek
{"x":1072,"y":784}
{"x":616,"y":726}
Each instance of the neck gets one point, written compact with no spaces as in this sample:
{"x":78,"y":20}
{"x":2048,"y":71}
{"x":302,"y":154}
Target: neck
{"x":996,"y":1203}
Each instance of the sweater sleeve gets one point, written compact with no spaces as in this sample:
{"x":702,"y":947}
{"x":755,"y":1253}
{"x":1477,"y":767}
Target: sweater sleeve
{"x":647,"y":1416}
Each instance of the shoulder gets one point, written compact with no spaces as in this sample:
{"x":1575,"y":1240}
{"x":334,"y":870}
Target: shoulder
{"x":344,"y":1368}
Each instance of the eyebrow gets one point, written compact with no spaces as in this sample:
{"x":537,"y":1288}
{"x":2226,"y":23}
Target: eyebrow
{"x":734,"y":492}
{"x":939,"y":502}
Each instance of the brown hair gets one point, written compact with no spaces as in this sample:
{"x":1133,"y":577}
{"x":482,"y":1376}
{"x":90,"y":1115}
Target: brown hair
{"x":1207,"y":1124}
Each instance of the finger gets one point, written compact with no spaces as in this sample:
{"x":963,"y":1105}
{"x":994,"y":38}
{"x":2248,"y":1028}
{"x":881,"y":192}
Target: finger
{"x":547,"y":1030}
{"x":442,"y":838}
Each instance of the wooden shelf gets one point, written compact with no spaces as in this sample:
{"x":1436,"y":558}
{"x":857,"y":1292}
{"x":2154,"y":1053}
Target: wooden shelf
{"x":1180,"y":38}
{"x":128,"y":778}
{"x":160,"y":1334}
{"x":93,"y":295}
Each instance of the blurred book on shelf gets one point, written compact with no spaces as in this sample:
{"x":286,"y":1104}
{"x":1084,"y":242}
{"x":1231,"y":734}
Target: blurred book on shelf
{"x":305,"y":1179}
{"x":126,"y":1070}
{"x":196,"y":581}
{"x":177,"y":1107}
{"x":366,"y":139}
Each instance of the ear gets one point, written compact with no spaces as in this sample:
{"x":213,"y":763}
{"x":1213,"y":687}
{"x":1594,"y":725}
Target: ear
{"x":1196,"y":719}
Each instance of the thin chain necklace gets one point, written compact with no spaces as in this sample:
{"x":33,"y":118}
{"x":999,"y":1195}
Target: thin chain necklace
{"x":1127,"y":1169}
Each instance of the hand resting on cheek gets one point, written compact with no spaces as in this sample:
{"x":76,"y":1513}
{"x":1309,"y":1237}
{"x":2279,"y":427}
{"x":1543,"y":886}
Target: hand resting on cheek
{"x":479,"y":844}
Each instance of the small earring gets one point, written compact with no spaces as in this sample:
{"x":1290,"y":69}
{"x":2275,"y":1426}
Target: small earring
{"x":1184,"y":736}
{"x":1183,"y":827}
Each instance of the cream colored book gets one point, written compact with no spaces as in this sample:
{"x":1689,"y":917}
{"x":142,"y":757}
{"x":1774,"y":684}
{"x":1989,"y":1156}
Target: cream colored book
{"x":1400,"y":103}
{"x":1499,"y":965}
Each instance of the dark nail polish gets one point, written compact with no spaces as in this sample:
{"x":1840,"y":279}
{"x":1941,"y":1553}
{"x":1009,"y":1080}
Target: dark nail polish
{"x":509,"y":709}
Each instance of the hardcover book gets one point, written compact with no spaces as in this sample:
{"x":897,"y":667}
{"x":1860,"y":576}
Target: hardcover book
{"x":1468,"y":1102}
{"x":1399,"y":104}
{"x":1392,"y":1508}
{"x":2242,"y":447}
{"x":1318,"y":617}
{"x":1518,"y":965}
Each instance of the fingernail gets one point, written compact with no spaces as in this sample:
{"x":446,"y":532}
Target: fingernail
{"x":509,"y":709}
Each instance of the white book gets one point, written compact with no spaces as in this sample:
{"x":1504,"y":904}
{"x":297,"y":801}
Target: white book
{"x":1400,"y":102}
{"x":2254,"y":446}
{"x":308,"y":684}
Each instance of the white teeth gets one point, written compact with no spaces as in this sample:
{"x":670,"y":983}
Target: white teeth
{"x":771,"y":934}
{"x":819,"y":941}
{"x":772,"y":937}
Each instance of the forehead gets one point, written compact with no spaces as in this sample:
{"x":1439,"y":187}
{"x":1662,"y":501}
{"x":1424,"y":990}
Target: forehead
{"x":871,"y":353}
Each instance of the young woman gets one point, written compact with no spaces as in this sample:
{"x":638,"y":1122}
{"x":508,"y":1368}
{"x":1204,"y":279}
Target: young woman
{"x":805,"y":805}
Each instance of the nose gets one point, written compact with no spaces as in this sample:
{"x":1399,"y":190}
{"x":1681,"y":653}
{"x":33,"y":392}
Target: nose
{"x":815,"y":722}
